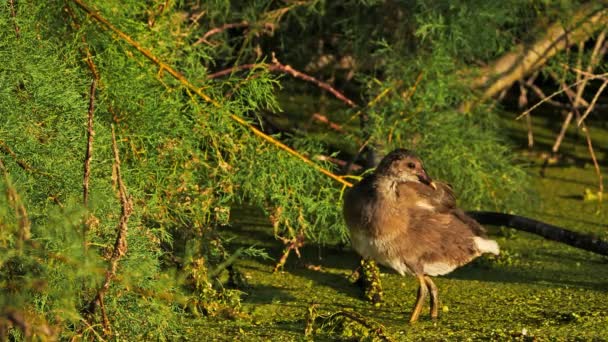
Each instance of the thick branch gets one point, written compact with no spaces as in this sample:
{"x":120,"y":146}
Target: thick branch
{"x":550,"y":232}
{"x":525,"y":59}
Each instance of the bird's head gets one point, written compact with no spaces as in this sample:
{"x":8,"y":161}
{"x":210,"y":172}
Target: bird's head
{"x":403,"y":165}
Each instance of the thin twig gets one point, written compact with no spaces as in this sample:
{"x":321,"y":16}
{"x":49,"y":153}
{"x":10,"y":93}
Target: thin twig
{"x":596,"y":165}
{"x":522,"y":103}
{"x":553,"y":95}
{"x":586,"y":73}
{"x":222,"y":28}
{"x":120,"y":246}
{"x":277,"y":66}
{"x":6,"y":149}
{"x":14,"y":16}
{"x":592,"y":105}
{"x":541,"y":95}
{"x":322,"y":118}
{"x":339,"y":162}
{"x":292,"y":244}
{"x":563,"y":90}
{"x":185,"y":82}
{"x":583,"y":127}
{"x":89,"y":152}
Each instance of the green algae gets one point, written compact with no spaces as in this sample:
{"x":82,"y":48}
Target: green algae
{"x":535,"y":290}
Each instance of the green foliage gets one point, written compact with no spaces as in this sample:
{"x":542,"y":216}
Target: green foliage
{"x":186,"y":163}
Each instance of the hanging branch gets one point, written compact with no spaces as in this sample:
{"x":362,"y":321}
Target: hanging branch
{"x":15,"y":201}
{"x":542,"y":96}
{"x":186,"y":83}
{"x":275,"y":65}
{"x":120,"y":246}
{"x":90,"y":134}
{"x":564,"y":89}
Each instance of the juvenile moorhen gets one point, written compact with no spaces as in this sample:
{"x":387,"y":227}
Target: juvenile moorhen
{"x":400,"y":218}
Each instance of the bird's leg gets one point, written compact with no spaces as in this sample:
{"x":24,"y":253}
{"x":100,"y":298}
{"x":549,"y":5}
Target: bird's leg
{"x":434,"y":296}
{"x":422,"y":292}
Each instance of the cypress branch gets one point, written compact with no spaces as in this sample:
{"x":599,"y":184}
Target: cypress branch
{"x":197,"y":91}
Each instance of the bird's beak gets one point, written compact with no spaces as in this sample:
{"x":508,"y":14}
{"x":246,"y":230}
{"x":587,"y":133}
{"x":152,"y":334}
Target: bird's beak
{"x":424,"y":178}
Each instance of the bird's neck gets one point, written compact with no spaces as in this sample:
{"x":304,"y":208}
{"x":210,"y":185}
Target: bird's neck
{"x":386,"y":187}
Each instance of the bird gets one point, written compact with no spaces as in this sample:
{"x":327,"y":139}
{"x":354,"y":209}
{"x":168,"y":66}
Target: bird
{"x":402,"y":219}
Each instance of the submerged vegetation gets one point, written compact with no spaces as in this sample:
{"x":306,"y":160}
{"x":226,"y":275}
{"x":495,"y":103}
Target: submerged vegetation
{"x":139,"y":140}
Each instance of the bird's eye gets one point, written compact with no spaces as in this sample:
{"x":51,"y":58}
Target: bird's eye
{"x":411,"y":165}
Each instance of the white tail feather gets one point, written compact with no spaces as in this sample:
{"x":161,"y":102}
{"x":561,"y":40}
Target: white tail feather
{"x":486,"y":246}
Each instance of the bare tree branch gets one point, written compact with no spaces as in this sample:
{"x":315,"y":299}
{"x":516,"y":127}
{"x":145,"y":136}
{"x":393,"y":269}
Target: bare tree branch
{"x":527,"y":58}
{"x":120,"y":246}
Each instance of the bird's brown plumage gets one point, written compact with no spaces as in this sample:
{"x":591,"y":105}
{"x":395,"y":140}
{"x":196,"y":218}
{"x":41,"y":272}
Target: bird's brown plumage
{"x":398,"y":217}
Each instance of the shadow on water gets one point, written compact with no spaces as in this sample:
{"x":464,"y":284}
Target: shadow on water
{"x":331,"y":266}
{"x":520,"y":275}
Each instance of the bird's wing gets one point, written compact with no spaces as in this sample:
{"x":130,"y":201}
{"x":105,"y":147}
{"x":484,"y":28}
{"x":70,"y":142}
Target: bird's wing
{"x":438,"y":242}
{"x":439,"y":197}
{"x":444,"y":197}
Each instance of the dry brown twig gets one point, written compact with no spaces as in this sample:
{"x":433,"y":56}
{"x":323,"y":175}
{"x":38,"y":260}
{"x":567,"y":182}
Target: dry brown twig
{"x":120,"y":246}
{"x":582,"y":78}
{"x":593,"y":102}
{"x":522,"y":103}
{"x":90,"y":135}
{"x":339,"y":162}
{"x":292,"y":244}
{"x":324,"y":119}
{"x":270,"y":27}
{"x":573,"y":99}
{"x":275,"y":65}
